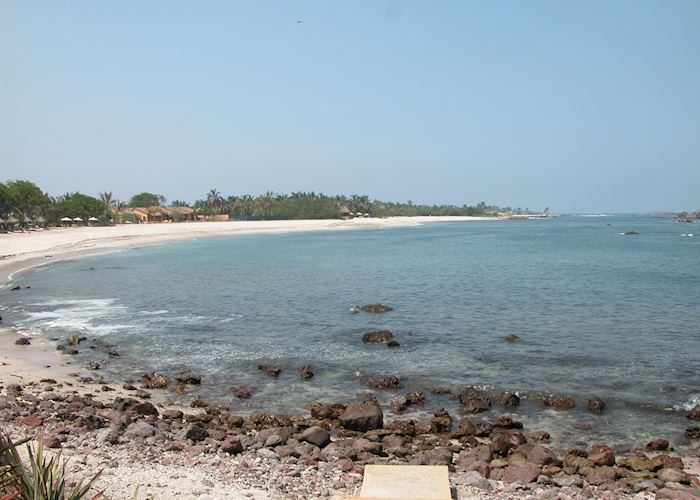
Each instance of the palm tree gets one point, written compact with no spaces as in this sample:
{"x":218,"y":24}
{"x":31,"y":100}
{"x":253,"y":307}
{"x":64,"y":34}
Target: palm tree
{"x":214,"y":200}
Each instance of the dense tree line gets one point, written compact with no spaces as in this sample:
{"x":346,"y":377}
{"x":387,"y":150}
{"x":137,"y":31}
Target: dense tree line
{"x":22,"y":198}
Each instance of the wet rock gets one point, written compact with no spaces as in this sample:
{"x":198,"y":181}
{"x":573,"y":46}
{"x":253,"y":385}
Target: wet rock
{"x":657,"y":445}
{"x":440,"y":422}
{"x":602,"y":455}
{"x":232,"y":445}
{"x":271,"y":370}
{"x":596,"y":405}
{"x":154,"y":380}
{"x":74,"y":339}
{"x":558,"y":402}
{"x":475,"y":400}
{"x":374,"y":308}
{"x":400,"y":403}
{"x":322,"y":411}
{"x":69,"y":352}
{"x":523,"y":473}
{"x":511,"y":338}
{"x":509,"y":400}
{"x":693,"y":432}
{"x":93,"y":365}
{"x":694,"y":414}
{"x":506,"y":422}
{"x":307,"y":371}
{"x":140,"y":429}
{"x":316,"y":436}
{"x":664,"y":460}
{"x":128,"y":387}
{"x":241,"y":392}
{"x":362,"y":417}
{"x":140,"y":393}
{"x":393,"y":343}
{"x":384,"y":382}
{"x":377,"y":336}
{"x":188,"y":378}
{"x":195,"y":433}
{"x":22,"y":341}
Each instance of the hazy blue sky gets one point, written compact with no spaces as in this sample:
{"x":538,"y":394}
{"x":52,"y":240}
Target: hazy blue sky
{"x":582,"y":106}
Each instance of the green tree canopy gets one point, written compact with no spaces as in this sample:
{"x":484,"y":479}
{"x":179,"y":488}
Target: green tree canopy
{"x":146,"y":200}
{"x":79,"y":205}
{"x":25,"y":197}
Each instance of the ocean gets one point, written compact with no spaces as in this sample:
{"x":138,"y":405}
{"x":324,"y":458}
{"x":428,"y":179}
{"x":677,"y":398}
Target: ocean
{"x":598,"y":313}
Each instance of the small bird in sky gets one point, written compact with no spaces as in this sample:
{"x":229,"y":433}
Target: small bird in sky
{"x":298,"y":21}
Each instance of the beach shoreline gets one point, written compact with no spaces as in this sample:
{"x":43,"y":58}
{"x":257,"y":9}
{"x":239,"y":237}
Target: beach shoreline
{"x":22,"y":251}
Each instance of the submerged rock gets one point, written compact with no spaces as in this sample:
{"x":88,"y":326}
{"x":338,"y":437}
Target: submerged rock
{"x":307,"y":372}
{"x":400,"y":403}
{"x":273,"y":371}
{"x":559,"y":402}
{"x":596,"y":405}
{"x":694,"y":414}
{"x":384,"y":382}
{"x":377,"y":336}
{"x":373,"y":308}
{"x":189,"y":378}
{"x":22,"y":341}
{"x":511,"y":338}
{"x":241,"y":392}
{"x":154,"y":380}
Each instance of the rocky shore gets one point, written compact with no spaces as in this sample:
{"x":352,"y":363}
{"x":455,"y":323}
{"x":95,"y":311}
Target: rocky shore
{"x":207,"y":451}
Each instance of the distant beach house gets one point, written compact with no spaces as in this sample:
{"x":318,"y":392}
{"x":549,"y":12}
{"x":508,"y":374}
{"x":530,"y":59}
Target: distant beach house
{"x":162,"y":214}
{"x":345,"y":212}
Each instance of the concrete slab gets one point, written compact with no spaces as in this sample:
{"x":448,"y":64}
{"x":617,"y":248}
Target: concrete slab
{"x":405,"y":482}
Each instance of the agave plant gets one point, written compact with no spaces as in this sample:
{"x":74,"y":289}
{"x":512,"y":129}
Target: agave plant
{"x":41,"y":477}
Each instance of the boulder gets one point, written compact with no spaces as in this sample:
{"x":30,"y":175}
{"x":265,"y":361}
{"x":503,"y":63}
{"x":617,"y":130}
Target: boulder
{"x":596,"y":405}
{"x":502,"y":443}
{"x":267,"y":420}
{"x":144,"y":409}
{"x":241,"y":392}
{"x":173,"y":414}
{"x":367,"y":446}
{"x":377,"y":336}
{"x":362,"y":417}
{"x":562,"y":480}
{"x":511,"y":338}
{"x":506,"y":422}
{"x":32,"y":421}
{"x":232,"y":445}
{"x":602,"y":455}
{"x":522,"y":473}
{"x":195,"y":433}
{"x":400,"y":403}
{"x":601,"y":475}
{"x":393,"y":343}
{"x":440,"y":422}
{"x":436,"y":456}
{"x":317,"y":436}
{"x":153,"y":380}
{"x":22,"y":341}
{"x":402,"y":427}
{"x":539,"y":455}
{"x":509,"y":400}
{"x":693,"y":432}
{"x":466,"y":458}
{"x":473,"y":479}
{"x":271,"y":370}
{"x":694,"y":414}
{"x":140,"y":429}
{"x":307,"y":371}
{"x":558,"y":402}
{"x":475,"y":400}
{"x":384,"y":382}
{"x":189,"y":378}
{"x":657,"y":445}
{"x":323,"y":411}
{"x":74,"y":339}
{"x":373,"y":308}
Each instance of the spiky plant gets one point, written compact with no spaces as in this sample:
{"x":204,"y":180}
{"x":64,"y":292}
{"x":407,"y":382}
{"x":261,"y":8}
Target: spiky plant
{"x":41,"y":477}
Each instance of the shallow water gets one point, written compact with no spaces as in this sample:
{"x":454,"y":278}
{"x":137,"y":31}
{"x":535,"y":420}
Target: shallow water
{"x":597,"y":312}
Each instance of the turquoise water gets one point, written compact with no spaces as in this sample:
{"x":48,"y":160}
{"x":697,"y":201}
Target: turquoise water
{"x":597,"y":312}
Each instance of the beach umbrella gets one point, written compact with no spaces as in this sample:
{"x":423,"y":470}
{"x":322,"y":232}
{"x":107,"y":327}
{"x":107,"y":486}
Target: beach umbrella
{"x":77,"y":219}
{"x":93,"y":219}
{"x":66,"y":219}
{"x":26,"y":220}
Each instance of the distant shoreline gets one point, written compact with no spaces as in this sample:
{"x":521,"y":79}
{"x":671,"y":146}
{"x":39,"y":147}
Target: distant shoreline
{"x":23,"y":251}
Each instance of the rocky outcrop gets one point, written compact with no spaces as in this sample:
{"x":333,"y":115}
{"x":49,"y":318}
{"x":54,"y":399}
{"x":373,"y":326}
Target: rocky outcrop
{"x":271,"y":370}
{"x":377,"y":336}
{"x":558,"y":402}
{"x":694,"y":414}
{"x":316,"y":435}
{"x":306,"y":372}
{"x":189,"y":378}
{"x":383,"y":382}
{"x":400,"y":403}
{"x":596,"y":405}
{"x":154,"y":380}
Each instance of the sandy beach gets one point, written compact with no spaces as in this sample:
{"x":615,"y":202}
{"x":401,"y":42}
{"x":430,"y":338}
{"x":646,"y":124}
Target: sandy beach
{"x":21,"y":250}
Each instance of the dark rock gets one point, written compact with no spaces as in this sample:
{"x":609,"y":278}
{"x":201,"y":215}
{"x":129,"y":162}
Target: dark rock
{"x":173,"y":414}
{"x":198,"y":403}
{"x":377,"y":336}
{"x":475,"y":400}
{"x":362,"y":417}
{"x":140,"y":393}
{"x":155,"y":380}
{"x":232,"y":445}
{"x":22,"y":341}
{"x":374,"y":308}
{"x":441,"y":422}
{"x":402,"y":427}
{"x":53,"y":442}
{"x":144,"y":409}
{"x":189,"y":378}
{"x":307,"y":371}
{"x":241,"y":392}
{"x":509,"y":400}
{"x":596,"y":405}
{"x":400,"y":403}
{"x":393,"y":343}
{"x":367,"y":446}
{"x":694,"y":414}
{"x":631,"y":233}
{"x":93,"y":365}
{"x":540,"y":455}
{"x":502,"y":443}
{"x":69,"y":351}
{"x":558,"y":402}
{"x":506,"y":422}
{"x":384,"y":382}
{"x":15,"y":288}
{"x":540,"y":436}
{"x":511,"y":338}
{"x":267,"y":420}
{"x":124,"y":404}
{"x":273,"y":371}
{"x":657,"y":445}
{"x":140,"y":429}
{"x":128,"y":387}
{"x":437,"y":456}
{"x":195,"y":433}
{"x":693,"y":432}
{"x":523,"y":473}
{"x":481,"y":453}
{"x":316,"y":436}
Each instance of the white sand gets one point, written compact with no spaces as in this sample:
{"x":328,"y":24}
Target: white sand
{"x":23,"y":250}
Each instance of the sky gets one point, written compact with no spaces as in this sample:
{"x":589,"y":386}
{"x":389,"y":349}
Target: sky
{"x":578,"y":106}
